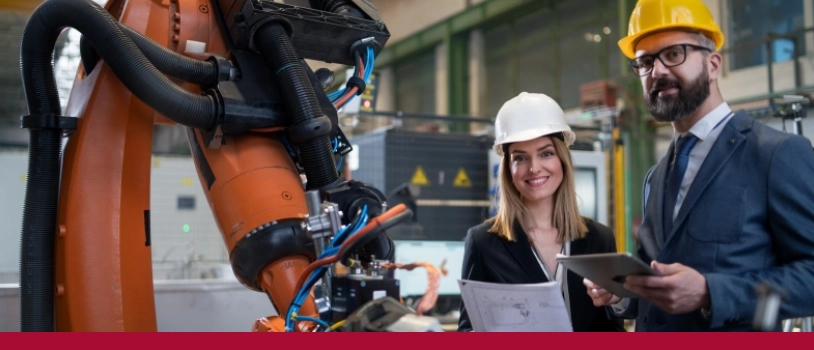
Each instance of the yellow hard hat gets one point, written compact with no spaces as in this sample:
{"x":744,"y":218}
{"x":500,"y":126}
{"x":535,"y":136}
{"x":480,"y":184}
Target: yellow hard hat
{"x":652,"y":16}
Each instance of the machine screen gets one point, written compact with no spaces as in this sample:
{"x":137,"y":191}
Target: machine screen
{"x":414,"y":283}
{"x":586,"y":192}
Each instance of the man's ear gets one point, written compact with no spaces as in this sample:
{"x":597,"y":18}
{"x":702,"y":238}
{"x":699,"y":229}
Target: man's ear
{"x":715,"y":65}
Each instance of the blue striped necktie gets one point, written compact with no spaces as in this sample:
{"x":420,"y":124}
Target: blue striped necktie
{"x":684,"y":145}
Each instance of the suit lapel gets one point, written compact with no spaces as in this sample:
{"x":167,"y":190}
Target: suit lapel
{"x":520,"y":250}
{"x":728,"y":141}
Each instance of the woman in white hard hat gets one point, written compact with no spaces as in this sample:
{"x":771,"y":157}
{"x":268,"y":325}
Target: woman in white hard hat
{"x":537,"y":216}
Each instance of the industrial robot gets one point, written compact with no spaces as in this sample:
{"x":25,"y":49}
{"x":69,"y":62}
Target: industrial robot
{"x":258,"y":121}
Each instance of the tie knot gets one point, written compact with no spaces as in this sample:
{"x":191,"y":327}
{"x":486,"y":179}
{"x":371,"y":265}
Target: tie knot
{"x":685,"y":143}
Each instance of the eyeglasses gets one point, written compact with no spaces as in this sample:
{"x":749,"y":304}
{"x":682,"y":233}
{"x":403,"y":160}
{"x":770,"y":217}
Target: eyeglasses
{"x":670,"y":56}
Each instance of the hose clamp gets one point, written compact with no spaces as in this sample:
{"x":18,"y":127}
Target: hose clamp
{"x":48,"y":121}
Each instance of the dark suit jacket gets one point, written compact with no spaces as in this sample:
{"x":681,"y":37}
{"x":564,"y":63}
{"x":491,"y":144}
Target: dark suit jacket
{"x":489,"y":258}
{"x":748,"y":217}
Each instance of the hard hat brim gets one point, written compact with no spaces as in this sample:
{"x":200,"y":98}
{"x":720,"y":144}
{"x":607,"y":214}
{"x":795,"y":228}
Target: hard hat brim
{"x":628,"y":43}
{"x":570,"y":137}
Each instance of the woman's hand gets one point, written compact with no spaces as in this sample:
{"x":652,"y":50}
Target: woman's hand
{"x":599,"y":295}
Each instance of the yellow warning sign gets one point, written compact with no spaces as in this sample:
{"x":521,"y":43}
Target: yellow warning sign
{"x":419,"y":178}
{"x":462,"y":180}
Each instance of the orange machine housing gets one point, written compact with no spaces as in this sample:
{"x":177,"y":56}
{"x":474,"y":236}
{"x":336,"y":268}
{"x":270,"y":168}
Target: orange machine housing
{"x":103,"y":257}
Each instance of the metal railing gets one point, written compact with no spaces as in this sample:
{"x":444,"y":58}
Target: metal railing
{"x":794,"y":37}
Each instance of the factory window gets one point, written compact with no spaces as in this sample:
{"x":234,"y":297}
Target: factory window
{"x":536,"y":50}
{"x":580,"y":44}
{"x":752,"y":21}
{"x":415,"y":83}
{"x":552,"y":50}
{"x":612,"y":60}
{"x":499,"y":86}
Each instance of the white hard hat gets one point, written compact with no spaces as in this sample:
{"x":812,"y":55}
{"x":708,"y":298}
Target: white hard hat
{"x":527,"y":117}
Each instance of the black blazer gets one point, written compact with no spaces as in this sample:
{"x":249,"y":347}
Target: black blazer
{"x":489,"y":258}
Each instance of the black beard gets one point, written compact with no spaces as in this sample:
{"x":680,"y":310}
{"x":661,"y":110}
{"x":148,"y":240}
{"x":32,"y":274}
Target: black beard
{"x":676,"y":107}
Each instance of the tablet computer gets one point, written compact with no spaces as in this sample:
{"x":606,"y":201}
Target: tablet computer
{"x":608,"y":270}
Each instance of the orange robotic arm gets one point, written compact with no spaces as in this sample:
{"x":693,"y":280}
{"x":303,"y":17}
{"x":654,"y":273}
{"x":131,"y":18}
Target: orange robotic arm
{"x":257,"y":118}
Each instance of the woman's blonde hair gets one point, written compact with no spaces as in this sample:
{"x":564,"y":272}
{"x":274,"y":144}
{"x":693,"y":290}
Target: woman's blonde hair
{"x":511,"y":209}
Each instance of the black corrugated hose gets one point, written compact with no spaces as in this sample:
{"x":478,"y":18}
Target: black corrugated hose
{"x":119,"y":52}
{"x":301,"y":103}
{"x":39,"y":226}
{"x":132,"y":68}
{"x":87,"y":54}
{"x":204,"y":73}
{"x":175,"y":64}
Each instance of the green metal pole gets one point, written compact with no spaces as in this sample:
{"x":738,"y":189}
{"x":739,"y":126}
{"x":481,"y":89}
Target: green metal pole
{"x":641,"y":133}
{"x":457,"y":48}
{"x":513,"y":84}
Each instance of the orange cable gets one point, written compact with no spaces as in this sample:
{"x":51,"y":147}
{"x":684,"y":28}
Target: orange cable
{"x":372,"y":224}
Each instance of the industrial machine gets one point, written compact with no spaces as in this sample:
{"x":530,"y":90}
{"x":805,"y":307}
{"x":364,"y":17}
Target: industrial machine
{"x":258,"y":118}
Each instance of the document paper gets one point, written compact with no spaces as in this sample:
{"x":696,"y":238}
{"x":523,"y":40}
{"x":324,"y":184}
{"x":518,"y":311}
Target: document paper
{"x":494,"y":307}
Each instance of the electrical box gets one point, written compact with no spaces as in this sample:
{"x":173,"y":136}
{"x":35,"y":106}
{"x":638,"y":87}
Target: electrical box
{"x":442,"y":175}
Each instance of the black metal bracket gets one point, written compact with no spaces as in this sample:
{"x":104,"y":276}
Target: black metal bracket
{"x":316,"y":35}
{"x":343,"y":146}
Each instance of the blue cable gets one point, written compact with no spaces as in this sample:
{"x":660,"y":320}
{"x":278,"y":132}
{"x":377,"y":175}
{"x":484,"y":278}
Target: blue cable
{"x":332,"y":96}
{"x":295,"y":305}
{"x":302,"y":295}
{"x":318,"y":272}
{"x":303,"y":292}
{"x":369,"y":62}
{"x":341,"y":234}
{"x":336,"y":147}
{"x":329,"y":252}
{"x":369,"y":66}
{"x":336,"y":238}
{"x":362,"y":220}
{"x":336,"y":94}
{"x":299,"y":299}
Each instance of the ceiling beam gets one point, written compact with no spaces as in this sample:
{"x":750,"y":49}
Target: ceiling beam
{"x":467,"y":19}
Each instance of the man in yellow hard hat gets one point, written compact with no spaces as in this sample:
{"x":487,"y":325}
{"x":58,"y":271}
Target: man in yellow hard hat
{"x":731,"y":205}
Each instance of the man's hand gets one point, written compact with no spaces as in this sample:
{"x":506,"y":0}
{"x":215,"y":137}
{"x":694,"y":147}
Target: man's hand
{"x":600,"y":296}
{"x":679,"y":290}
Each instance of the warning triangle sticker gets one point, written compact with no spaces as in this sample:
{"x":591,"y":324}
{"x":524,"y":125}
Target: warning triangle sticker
{"x":419,"y":178}
{"x":462,"y":180}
